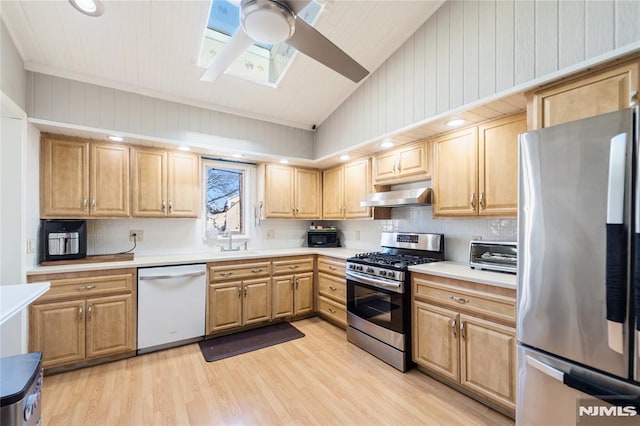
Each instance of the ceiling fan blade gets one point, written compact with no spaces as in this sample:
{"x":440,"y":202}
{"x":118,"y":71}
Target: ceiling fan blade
{"x":223,"y":60}
{"x":296,"y":6}
{"x":313,"y":44}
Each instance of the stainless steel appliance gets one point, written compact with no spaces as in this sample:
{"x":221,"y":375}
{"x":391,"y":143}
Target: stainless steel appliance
{"x":578,"y":272}
{"x":20,"y":389}
{"x":499,"y":256}
{"x":323,"y":237}
{"x":379,"y":294}
{"x":63,"y":239}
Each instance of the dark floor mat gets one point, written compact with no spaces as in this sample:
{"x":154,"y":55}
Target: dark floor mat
{"x":247,"y":341}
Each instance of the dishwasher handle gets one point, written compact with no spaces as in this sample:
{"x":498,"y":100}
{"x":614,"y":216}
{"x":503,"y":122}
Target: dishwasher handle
{"x":169,"y":277}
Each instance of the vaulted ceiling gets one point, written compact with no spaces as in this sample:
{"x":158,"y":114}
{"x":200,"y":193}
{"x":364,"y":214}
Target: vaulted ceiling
{"x":152,"y":47}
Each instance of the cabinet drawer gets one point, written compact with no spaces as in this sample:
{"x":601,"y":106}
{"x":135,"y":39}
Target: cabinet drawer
{"x":226,"y":272}
{"x":332,"y":266}
{"x":67,"y":288}
{"x":495,"y":306}
{"x":292,"y":265}
{"x":332,"y":287}
{"x":332,"y":310}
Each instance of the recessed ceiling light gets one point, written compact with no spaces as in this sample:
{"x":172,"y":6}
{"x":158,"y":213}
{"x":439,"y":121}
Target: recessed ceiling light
{"x":344,"y":157}
{"x":184,"y":148}
{"x":455,"y":122}
{"x":88,"y":7}
{"x":386,"y":144}
{"x":284,"y":161}
{"x":115,"y":138}
{"x":237,"y":155}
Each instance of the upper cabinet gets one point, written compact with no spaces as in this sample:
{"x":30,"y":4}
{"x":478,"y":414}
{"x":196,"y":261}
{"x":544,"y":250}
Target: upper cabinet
{"x":343,"y":187}
{"x":596,"y":93}
{"x":404,"y":164}
{"x":165,"y":183}
{"x":289,"y":192}
{"x":476,"y":169}
{"x":83,"y":178}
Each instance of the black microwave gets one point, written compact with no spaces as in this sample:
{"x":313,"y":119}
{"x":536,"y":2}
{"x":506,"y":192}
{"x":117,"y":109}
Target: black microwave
{"x":323,"y":238}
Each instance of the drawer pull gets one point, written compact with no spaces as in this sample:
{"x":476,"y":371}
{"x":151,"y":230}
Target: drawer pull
{"x":255,"y":271}
{"x":85,"y":287}
{"x":332,"y":288}
{"x":460,"y":299}
{"x":226,"y":274}
{"x":333,"y":268}
{"x":293,"y":266}
{"x":333,"y":311}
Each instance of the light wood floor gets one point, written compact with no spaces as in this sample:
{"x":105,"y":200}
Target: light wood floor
{"x":320,"y":379}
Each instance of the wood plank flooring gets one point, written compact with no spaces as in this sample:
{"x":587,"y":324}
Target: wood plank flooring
{"x":320,"y":379}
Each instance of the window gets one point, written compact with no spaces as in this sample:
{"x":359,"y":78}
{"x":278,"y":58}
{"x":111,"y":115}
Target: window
{"x":226,"y":198}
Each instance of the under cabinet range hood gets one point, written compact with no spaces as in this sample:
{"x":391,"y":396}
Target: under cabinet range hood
{"x":399,"y":198}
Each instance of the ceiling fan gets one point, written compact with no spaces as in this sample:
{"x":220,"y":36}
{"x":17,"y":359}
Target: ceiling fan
{"x":276,"y":21}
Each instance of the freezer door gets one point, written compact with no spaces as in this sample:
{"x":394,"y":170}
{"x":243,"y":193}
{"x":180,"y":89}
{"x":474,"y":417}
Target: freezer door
{"x":566,"y":248}
{"x":554,"y":392}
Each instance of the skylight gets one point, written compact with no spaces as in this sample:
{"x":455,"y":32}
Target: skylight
{"x":261,"y":63}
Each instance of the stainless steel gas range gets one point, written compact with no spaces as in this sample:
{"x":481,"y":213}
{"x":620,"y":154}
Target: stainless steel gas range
{"x":379,"y":294}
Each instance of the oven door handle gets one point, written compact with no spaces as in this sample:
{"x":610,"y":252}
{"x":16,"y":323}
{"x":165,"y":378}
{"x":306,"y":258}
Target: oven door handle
{"x":382,"y":283}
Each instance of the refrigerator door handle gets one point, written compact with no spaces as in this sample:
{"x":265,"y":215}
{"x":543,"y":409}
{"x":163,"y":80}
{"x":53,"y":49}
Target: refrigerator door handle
{"x":554,"y":373}
{"x":616,"y":288}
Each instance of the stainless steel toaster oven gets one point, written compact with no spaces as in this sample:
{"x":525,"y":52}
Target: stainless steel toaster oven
{"x":494,"y":255}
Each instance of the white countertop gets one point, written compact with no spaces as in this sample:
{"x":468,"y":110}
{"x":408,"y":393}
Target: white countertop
{"x":14,"y":298}
{"x":462,"y":271}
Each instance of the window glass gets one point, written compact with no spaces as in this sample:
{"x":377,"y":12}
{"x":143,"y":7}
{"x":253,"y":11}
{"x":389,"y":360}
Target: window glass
{"x":224,"y":199}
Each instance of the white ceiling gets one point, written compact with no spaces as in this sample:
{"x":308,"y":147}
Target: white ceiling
{"x":151,"y":48}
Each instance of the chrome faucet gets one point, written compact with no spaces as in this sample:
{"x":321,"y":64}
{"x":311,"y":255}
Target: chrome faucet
{"x":230,"y":246}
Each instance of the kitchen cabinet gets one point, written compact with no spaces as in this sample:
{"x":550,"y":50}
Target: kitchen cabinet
{"x":343,"y":187}
{"x":289,"y":192}
{"x":84,"y":317}
{"x":403,"y":164}
{"x":82,"y":178}
{"x":165,"y":183}
{"x":332,"y":290}
{"x":476,"y":169}
{"x":292,"y":295}
{"x":464,"y":334}
{"x":589,"y":94}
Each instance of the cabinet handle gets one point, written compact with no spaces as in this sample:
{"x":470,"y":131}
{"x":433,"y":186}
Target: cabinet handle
{"x":453,"y":327}
{"x":333,"y":268}
{"x":333,"y":311}
{"x":226,"y":274}
{"x":239,"y":291}
{"x":473,"y":200}
{"x":291,"y":283}
{"x":93,"y":204}
{"x":296,"y":283}
{"x":332,"y":288}
{"x":482,"y":206}
{"x":460,"y":299}
{"x":85,"y":287}
{"x":462,"y":334}
{"x":80,"y":311}
{"x":84,"y":203}
{"x":164,"y":206}
{"x":255,"y":271}
{"x":245,"y":292}
{"x":89,"y":312}
{"x":297,"y":211}
{"x":170,"y":206}
{"x":293,"y":266}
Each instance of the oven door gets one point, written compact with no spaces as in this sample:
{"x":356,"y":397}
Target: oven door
{"x":372,"y":304}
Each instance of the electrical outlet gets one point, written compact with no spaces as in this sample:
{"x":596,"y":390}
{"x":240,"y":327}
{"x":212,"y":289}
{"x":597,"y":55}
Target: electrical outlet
{"x":357,"y":235}
{"x":30,"y":246}
{"x":271,"y":234}
{"x":139,"y":233}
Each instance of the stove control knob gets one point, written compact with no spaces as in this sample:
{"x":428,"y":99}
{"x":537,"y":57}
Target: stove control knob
{"x":351,"y":266}
{"x":391,"y":274}
{"x":370,"y":270}
{"x":383,"y":273}
{"x":359,"y":267}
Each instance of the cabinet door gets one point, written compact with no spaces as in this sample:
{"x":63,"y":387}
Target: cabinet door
{"x":384,"y":166}
{"x":303,"y":294}
{"x":488,"y":360}
{"x":183,"y":185}
{"x":413,"y":160}
{"x":225,"y":306}
{"x":357,"y":185}
{"x":279,"y":192}
{"x":149,"y":174}
{"x":308,"y":195}
{"x":64,"y":184}
{"x":333,"y":184}
{"x":498,"y":166}
{"x":110,"y":326}
{"x":257,"y":301}
{"x":435,"y":339}
{"x":58,"y":331}
{"x":282,"y":297}
{"x":109,"y":180}
{"x":455,"y":179}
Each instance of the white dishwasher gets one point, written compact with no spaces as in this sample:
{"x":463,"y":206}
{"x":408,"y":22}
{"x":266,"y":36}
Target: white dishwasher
{"x":171,"y":306}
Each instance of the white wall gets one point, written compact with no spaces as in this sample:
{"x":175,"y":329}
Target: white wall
{"x":13,"y":76}
{"x":471,"y":50}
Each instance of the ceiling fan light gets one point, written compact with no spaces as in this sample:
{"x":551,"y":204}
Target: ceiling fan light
{"x":267,"y":22}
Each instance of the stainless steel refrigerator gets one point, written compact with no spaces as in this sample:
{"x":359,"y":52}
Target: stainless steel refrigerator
{"x":578,"y":234}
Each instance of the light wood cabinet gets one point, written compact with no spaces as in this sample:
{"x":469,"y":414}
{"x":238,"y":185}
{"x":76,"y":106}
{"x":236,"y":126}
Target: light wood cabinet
{"x":403,"y":164}
{"x":82,"y":178}
{"x":289,"y":192}
{"x":464,"y":334}
{"x":165,"y":183}
{"x":224,"y":306}
{"x":476,"y":169}
{"x":84,"y":317}
{"x":593,"y":93}
{"x":343,"y":187}
{"x":292,"y":295}
{"x":332,"y":290}
{"x":256,"y":301}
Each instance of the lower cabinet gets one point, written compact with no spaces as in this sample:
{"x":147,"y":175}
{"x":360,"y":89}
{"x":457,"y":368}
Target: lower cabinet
{"x":464,"y":336}
{"x":238,"y":303}
{"x":78,"y":320}
{"x":292,"y":295}
{"x":332,"y":292}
